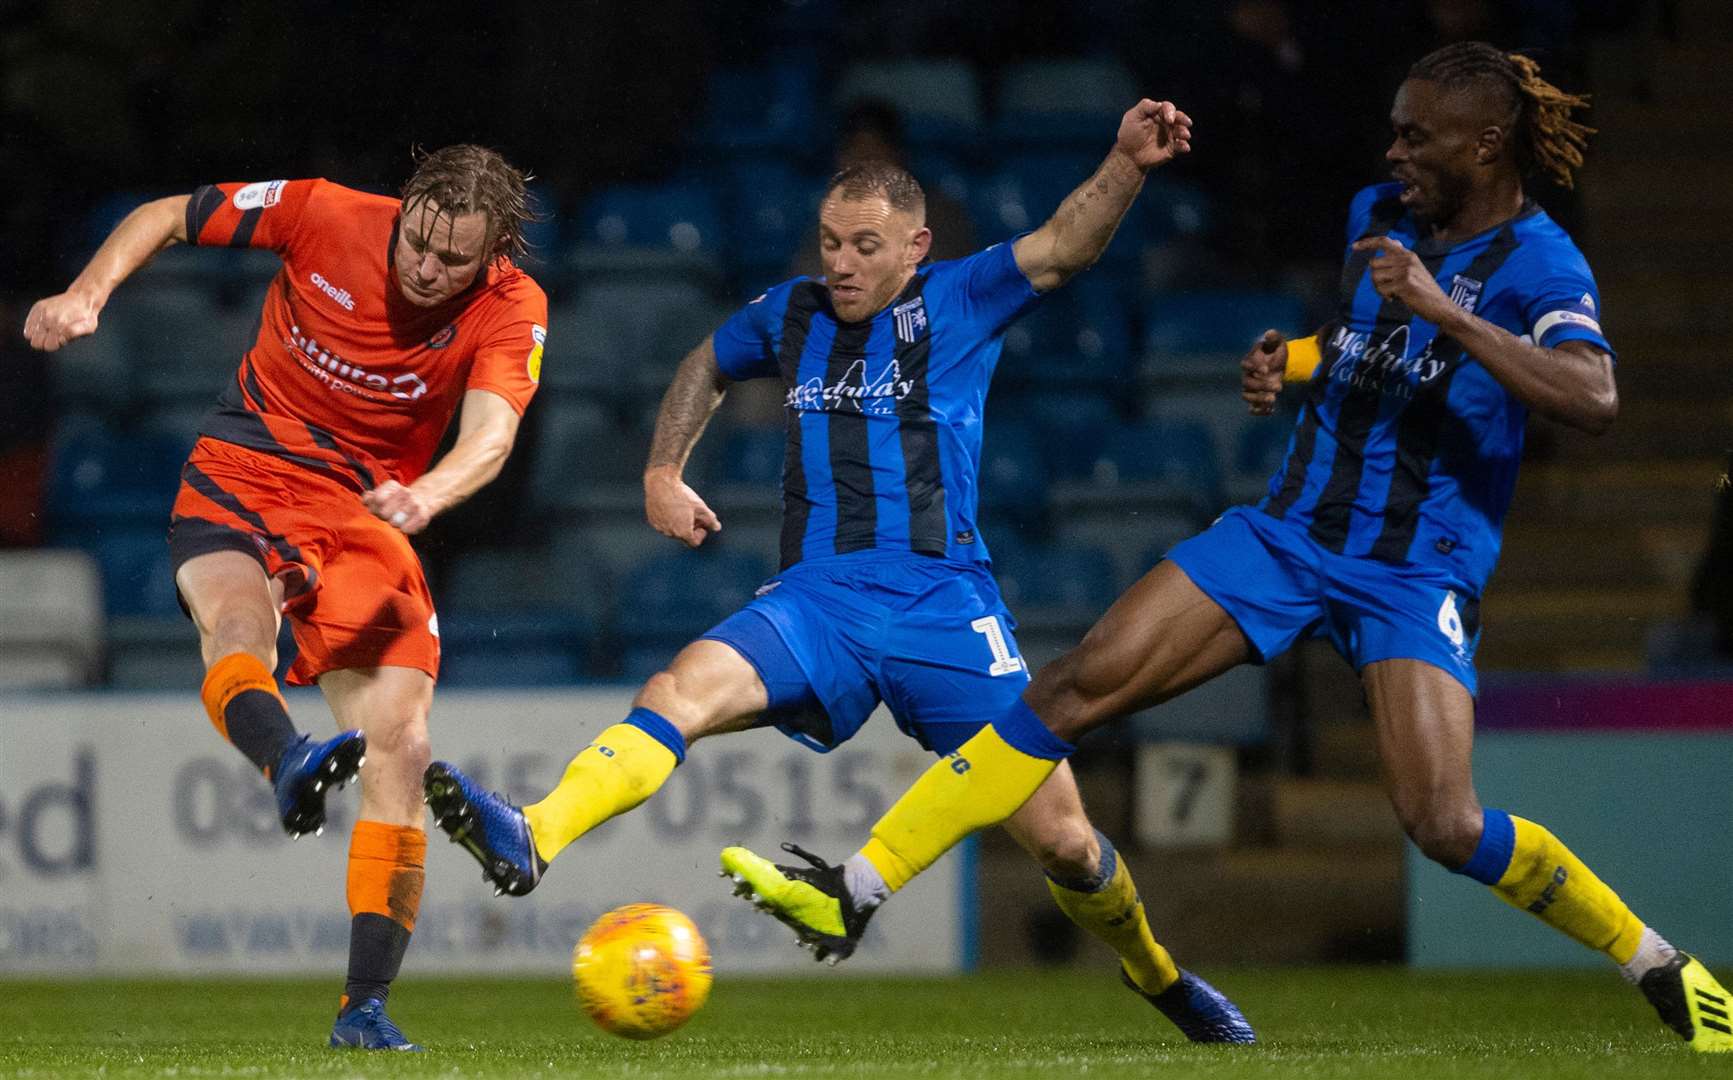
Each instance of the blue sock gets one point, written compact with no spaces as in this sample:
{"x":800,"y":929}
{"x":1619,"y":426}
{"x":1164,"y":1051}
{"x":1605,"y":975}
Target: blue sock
{"x":1023,"y":730}
{"x":656,"y":726}
{"x":1103,"y":872}
{"x":1491,"y":856}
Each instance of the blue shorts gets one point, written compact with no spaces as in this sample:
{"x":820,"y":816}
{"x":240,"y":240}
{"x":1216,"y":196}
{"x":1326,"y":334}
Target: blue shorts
{"x":832,"y":637}
{"x":1277,"y":584}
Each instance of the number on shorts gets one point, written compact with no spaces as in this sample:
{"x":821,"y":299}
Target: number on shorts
{"x":1449,"y":621}
{"x":1003,"y":662}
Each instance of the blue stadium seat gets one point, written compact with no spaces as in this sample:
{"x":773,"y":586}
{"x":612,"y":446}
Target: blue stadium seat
{"x":767,"y":107}
{"x":1027,"y":188}
{"x":1261,"y":448}
{"x":1072,"y":428}
{"x":681,"y":216}
{"x":754,"y":455}
{"x":97,"y":477}
{"x":940,"y":100}
{"x":771,"y":210}
{"x":543,"y":235}
{"x":683,"y":593}
{"x":1050,"y":584}
{"x":1179,"y":459}
{"x":1014,"y":472}
{"x":184,"y":343}
{"x":1072,"y":102}
{"x":578,"y":447}
{"x":137,"y":576}
{"x":1078,"y":336}
{"x":1172,"y":209}
{"x":1202,"y":334}
{"x":504,"y":648}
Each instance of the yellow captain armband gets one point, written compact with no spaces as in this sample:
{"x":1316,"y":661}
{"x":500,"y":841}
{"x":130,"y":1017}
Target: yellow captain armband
{"x":1304,"y":356}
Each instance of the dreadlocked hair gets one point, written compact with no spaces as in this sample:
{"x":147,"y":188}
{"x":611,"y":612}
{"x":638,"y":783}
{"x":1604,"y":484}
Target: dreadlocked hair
{"x":466,"y":179}
{"x":1548,"y":140}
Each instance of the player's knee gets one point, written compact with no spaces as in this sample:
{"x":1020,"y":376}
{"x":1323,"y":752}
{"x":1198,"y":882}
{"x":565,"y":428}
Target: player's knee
{"x":1069,"y":851}
{"x":1446,"y":833}
{"x":403,"y":745}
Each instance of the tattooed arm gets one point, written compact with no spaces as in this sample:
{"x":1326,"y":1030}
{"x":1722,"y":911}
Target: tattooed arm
{"x":1150,"y":135}
{"x":670,"y":506}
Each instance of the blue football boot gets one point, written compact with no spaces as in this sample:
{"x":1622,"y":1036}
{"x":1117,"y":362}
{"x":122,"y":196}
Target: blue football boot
{"x":307,"y":770}
{"x":366,"y":1027}
{"x":1202,"y":1013}
{"x":487,"y":825}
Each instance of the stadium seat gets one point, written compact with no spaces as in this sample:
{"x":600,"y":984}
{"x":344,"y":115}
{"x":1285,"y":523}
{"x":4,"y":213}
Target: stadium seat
{"x":1073,"y":102}
{"x":1175,"y":461}
{"x":682,"y":593}
{"x":940,"y":100}
{"x":1243,"y":441}
{"x":771,"y":208}
{"x":512,"y":648}
{"x":681,"y":216}
{"x":1079,"y":337}
{"x":1072,"y":427}
{"x":578,"y":447}
{"x":137,"y":577}
{"x":754,"y":455}
{"x":1026,"y":189}
{"x":761,"y":108}
{"x":96,"y":477}
{"x":1053,"y":585}
{"x":51,"y":628}
{"x":161,"y":652}
{"x":1014,"y":472}
{"x":1203,"y":334}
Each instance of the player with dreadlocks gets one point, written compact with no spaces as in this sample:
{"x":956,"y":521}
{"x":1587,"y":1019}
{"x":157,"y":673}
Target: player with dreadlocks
{"x":1463,"y":308}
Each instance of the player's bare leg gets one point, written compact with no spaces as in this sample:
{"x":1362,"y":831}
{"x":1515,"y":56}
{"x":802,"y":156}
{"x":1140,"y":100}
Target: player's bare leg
{"x":387,"y":850}
{"x":707,"y":689}
{"x":237,"y":610}
{"x":1425,"y":723}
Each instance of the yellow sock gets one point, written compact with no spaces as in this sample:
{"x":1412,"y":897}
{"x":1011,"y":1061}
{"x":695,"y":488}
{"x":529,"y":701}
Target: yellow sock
{"x":1544,"y":878}
{"x":982,"y":784}
{"x":622,"y":768}
{"x":1115,"y":914}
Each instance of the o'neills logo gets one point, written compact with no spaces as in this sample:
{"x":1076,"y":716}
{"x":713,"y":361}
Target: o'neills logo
{"x":340,"y":295}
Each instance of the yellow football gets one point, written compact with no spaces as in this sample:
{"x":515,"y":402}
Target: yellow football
{"x":641,"y":971}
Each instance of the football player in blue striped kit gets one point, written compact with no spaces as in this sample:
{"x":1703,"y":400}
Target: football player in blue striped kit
{"x":1463,"y":308}
{"x":885,"y":591}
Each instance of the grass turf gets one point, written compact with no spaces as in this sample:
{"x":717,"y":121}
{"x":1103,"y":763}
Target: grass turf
{"x":1315,"y":1023}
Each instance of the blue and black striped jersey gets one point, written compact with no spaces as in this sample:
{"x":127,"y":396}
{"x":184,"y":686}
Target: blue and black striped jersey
{"x":1407,"y":448}
{"x":884,"y":416}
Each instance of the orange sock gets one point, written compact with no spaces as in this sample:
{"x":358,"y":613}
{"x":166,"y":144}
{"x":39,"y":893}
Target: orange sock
{"x":385,"y":882}
{"x":247,"y":709}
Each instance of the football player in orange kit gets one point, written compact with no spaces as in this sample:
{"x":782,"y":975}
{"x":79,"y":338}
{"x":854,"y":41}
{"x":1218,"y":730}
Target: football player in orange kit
{"x":311,"y":473}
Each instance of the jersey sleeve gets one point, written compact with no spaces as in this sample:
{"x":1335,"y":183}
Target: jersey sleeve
{"x":990,"y":286}
{"x":508,"y":362}
{"x":266,"y":214}
{"x":1563,"y":304}
{"x":746,"y":344}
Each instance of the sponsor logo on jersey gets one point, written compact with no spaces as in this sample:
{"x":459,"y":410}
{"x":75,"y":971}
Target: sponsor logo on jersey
{"x":1587,"y":301}
{"x":443,"y":338}
{"x":911,"y":319}
{"x":540,"y":337}
{"x":342,"y":297}
{"x":259,"y":196}
{"x":1384,"y":365}
{"x":1465,"y":292}
{"x":853,"y":392}
{"x":340,"y":374}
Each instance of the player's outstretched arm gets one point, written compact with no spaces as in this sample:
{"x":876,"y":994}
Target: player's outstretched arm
{"x":670,"y":506}
{"x":54,"y":321}
{"x":1571,"y":382}
{"x":487,"y":428}
{"x":1151,"y":134}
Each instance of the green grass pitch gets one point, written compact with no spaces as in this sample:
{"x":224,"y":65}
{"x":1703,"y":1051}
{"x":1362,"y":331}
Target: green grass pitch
{"x":1314,"y":1023}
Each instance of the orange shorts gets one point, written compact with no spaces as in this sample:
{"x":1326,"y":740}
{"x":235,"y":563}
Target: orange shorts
{"x":354,"y":591}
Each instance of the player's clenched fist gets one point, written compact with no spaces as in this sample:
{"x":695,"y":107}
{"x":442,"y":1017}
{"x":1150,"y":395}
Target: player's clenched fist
{"x":402,"y":507}
{"x":1261,"y":373}
{"x":58,"y":319}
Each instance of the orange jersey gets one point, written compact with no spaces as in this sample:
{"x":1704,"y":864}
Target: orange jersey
{"x":347,"y":376}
